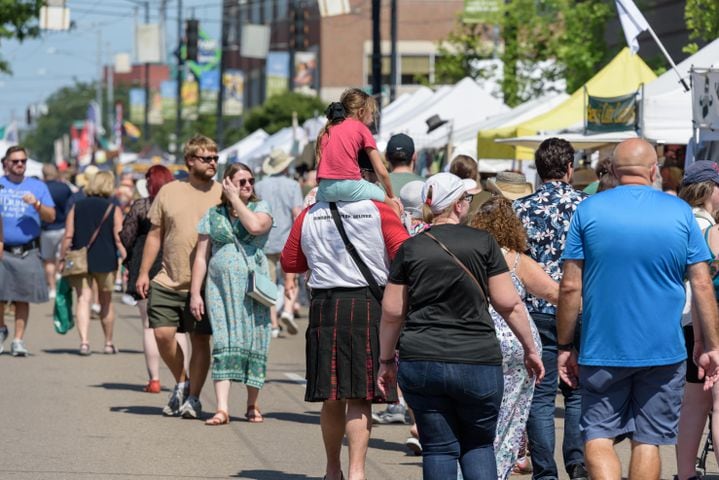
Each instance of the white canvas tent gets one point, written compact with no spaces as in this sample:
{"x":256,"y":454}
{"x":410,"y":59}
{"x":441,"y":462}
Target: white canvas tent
{"x":291,"y":140}
{"x":399,"y":109}
{"x":666,"y":108}
{"x":462,"y":104}
{"x":240,"y":149}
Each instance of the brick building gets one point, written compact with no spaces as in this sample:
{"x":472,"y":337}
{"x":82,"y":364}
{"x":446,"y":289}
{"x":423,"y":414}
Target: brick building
{"x":343,"y":44}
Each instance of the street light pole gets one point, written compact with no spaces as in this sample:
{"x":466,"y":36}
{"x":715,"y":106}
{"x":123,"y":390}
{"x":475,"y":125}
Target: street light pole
{"x":147,"y":81}
{"x":376,"y":53}
{"x":221,"y":94}
{"x":393,"y":55}
{"x":180,"y":66}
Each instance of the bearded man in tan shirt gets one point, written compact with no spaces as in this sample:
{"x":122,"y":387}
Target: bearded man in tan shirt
{"x":174,"y":215}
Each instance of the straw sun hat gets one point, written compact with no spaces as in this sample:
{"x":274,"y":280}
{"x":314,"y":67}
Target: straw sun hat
{"x":278,"y":161}
{"x":511,"y":185}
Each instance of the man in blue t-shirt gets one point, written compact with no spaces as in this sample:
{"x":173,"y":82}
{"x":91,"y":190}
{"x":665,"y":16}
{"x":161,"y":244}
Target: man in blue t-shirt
{"x":24,"y":203}
{"x":627,"y":253}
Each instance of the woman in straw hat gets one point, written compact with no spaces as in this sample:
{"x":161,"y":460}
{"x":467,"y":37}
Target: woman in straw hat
{"x":497,"y":217}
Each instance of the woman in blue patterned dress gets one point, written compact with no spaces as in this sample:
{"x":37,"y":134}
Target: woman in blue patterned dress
{"x":497,"y":217}
{"x":232,"y":235}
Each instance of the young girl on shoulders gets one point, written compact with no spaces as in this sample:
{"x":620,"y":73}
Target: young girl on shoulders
{"x":338,"y":146}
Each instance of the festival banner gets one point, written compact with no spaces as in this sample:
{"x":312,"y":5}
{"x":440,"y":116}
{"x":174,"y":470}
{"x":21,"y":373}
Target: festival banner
{"x":137,"y":105}
{"x":190,"y":99}
{"x":305,"y":79}
{"x":611,"y":114}
{"x":277,"y":73}
{"x":482,"y":11}
{"x":168,"y":93}
{"x":705,"y":98}
{"x":208,"y":55}
{"x":154,"y":115}
{"x":209,"y":91}
{"x":234,"y":81}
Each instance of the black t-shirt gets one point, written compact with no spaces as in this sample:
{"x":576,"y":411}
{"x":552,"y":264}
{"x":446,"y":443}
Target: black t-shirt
{"x":447,"y":317}
{"x":102,"y":255}
{"x":60,"y":193}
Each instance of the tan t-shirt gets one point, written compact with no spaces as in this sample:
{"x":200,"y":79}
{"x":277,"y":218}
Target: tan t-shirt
{"x":177,"y":210}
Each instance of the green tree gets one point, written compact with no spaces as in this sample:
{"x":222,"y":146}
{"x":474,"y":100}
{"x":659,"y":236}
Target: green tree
{"x":460,"y":54}
{"x":18,"y":19}
{"x":702,"y":20}
{"x":63,"y":107}
{"x":276,"y":112}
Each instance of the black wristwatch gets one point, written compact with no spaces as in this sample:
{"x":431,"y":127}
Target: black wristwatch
{"x":565,"y":347}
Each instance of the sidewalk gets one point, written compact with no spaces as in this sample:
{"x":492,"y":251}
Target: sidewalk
{"x":71,"y":417}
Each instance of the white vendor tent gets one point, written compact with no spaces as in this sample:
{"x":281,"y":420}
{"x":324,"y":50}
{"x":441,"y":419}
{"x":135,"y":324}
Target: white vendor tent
{"x":666,"y":107}
{"x":291,"y":140}
{"x":239,"y":150}
{"x":402,"y":107}
{"x":462,"y":105}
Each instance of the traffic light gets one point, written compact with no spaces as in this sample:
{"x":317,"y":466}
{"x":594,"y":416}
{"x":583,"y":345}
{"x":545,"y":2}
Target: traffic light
{"x":192,"y":34}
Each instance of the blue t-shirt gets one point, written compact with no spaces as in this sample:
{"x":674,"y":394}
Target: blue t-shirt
{"x":636,"y":243}
{"x":21,"y":222}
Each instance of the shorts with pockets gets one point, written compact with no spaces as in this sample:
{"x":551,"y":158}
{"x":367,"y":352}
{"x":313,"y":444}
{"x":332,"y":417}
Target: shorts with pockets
{"x":168,"y":308}
{"x":641,"y":403}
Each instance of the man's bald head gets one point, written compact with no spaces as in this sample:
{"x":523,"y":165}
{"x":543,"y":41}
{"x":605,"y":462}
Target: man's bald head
{"x":634,"y":152}
{"x":634,"y":162}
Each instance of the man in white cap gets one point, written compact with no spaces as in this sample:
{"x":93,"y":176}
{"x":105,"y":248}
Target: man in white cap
{"x":285,"y":198}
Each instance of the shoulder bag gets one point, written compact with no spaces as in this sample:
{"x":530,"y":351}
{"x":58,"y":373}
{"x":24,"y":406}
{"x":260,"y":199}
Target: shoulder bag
{"x":461,"y":265}
{"x":260,"y":287}
{"x":363,"y":268}
{"x":76,"y":260}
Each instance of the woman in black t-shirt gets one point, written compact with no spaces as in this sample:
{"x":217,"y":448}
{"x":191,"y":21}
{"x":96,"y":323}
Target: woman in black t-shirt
{"x":450,"y":362}
{"x":90,"y":214}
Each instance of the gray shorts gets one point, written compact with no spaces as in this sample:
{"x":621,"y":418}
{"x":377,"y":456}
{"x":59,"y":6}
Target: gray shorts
{"x":641,"y":403}
{"x":50,"y":241}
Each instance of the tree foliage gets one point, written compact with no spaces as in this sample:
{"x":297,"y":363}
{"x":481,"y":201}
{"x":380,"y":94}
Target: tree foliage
{"x":702,"y":20}
{"x":544,"y":42}
{"x":276,"y":112}
{"x":64,"y":106}
{"x":18,"y":20}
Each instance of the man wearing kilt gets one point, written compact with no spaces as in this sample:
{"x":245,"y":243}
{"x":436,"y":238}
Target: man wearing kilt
{"x":24,"y":202}
{"x":342,"y":347}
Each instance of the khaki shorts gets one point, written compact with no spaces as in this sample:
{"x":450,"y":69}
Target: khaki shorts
{"x":105,"y":281}
{"x":273,"y":263}
{"x":168,"y":308}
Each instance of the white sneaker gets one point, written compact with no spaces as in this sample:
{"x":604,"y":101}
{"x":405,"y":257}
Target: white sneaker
{"x":3,"y":336}
{"x":288,"y":320}
{"x":95,"y":308}
{"x":51,"y":294}
{"x":275,"y":333}
{"x":17,"y":348}
{"x":128,"y":300}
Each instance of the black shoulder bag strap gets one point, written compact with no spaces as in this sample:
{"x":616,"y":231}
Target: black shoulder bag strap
{"x":462,"y":266}
{"x":366,"y":273}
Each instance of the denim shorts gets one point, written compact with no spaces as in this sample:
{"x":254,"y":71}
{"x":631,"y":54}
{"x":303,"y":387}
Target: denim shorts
{"x":641,"y":403}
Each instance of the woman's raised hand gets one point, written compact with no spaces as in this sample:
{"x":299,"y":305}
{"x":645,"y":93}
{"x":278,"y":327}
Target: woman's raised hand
{"x":231,"y":190}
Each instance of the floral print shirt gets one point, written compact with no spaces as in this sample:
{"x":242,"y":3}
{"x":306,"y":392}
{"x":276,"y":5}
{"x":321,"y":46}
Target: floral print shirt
{"x":546,"y":215}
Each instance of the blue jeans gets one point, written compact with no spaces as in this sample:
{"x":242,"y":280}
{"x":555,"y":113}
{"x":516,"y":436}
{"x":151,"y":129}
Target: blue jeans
{"x":456,"y":407}
{"x":540,"y":425}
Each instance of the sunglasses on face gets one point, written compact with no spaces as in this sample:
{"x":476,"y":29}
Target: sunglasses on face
{"x":243,"y":181}
{"x":19,"y":161}
{"x":208,"y":158}
{"x":469,"y":198}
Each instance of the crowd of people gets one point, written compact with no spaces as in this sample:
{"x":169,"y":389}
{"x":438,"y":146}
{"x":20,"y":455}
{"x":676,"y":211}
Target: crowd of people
{"x":461,"y":307}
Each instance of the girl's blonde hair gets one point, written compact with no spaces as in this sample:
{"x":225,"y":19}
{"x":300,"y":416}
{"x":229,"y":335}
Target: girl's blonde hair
{"x":353,"y":103}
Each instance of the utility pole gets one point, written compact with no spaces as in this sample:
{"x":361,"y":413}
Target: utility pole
{"x":376,"y":54}
{"x":98,"y":86}
{"x":146,"y":130}
{"x":178,"y":100}
{"x":221,"y":94}
{"x":393,"y":54}
{"x":110,"y":69}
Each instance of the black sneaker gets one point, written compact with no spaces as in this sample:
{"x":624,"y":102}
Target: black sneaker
{"x":577,"y":472}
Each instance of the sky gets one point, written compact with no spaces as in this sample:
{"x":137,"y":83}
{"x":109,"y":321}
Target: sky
{"x":55,"y":59}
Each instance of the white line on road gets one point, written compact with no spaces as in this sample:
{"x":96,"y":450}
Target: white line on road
{"x":298,"y":379}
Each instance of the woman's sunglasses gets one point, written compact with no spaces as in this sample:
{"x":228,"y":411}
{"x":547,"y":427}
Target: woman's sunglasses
{"x":243,"y":181}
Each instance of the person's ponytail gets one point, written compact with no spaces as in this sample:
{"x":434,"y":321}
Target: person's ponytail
{"x":427,"y":214}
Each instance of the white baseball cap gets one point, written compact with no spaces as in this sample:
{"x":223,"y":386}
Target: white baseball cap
{"x":446,"y":189}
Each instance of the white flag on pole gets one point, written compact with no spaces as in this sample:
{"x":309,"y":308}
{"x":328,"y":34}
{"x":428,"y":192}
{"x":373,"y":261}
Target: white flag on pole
{"x":633,"y":22}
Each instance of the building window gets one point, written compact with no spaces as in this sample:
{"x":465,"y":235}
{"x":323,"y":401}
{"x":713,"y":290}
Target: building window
{"x":282,"y":9}
{"x":412,"y":69}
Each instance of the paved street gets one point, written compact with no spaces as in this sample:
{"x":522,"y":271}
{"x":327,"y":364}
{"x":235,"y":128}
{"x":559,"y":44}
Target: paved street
{"x":69,"y":417}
